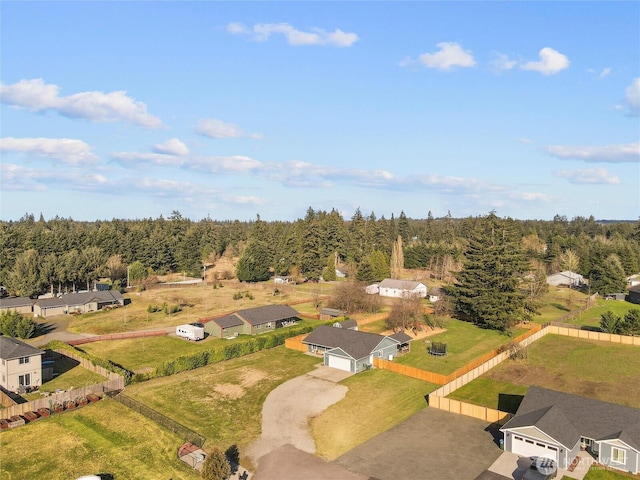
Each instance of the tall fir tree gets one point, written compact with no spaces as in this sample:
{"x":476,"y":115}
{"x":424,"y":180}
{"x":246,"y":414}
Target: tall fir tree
{"x":488,"y":289}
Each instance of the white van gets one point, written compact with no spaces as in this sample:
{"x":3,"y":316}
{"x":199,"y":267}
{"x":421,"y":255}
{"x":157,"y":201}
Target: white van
{"x":190,"y":332}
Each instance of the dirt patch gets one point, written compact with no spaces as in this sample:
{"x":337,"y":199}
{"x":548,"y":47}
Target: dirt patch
{"x":251,"y":376}
{"x":428,"y":332}
{"x":230,"y":390}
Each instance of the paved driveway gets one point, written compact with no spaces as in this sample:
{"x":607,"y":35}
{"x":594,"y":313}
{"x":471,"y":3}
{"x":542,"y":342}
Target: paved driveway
{"x":430,"y":445}
{"x":287,"y":409}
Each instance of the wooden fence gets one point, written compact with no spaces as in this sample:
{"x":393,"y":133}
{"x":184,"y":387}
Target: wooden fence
{"x":462,"y":408}
{"x":6,"y":400}
{"x":591,"y":335}
{"x":118,"y":336}
{"x":48,"y":402}
{"x":295,"y":343}
{"x":84,"y":363}
{"x":408,"y":371}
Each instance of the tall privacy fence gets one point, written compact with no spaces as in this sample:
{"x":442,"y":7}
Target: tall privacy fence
{"x":162,"y":420}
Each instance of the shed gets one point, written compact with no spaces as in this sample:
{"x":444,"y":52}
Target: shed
{"x":330,"y":313}
{"x":349,"y":324}
{"x":404,"y":342}
{"x":634,"y":295}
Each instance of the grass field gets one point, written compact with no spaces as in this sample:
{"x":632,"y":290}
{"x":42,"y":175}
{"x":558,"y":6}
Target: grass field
{"x":558,"y":302}
{"x":71,"y":375}
{"x":140,"y":354}
{"x":376,"y":401}
{"x":224,"y":401}
{"x":598,"y":473}
{"x":465,"y":341}
{"x":600,"y":370}
{"x":198,"y":302}
{"x":591,"y":317}
{"x":105,"y":437}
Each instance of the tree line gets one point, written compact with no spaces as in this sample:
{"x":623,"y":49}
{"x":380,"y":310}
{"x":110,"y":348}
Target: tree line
{"x":63,"y":255}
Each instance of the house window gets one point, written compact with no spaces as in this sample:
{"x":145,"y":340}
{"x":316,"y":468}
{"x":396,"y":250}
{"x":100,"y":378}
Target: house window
{"x":586,"y":441}
{"x":618,"y":455}
{"x":552,"y":448}
{"x":529,"y":441}
{"x":24,"y":380}
{"x":269,"y":325}
{"x":379,"y":354}
{"x":23,"y":360}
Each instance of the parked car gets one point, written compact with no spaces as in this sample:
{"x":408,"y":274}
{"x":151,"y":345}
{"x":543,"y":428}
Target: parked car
{"x":541,"y":468}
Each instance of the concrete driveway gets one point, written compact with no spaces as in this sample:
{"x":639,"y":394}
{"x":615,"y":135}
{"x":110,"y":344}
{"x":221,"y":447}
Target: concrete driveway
{"x":288,"y":408}
{"x":431,"y":444}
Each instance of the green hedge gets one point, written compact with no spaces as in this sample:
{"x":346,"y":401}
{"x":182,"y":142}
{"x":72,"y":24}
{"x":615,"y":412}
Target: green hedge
{"x":219,"y":354}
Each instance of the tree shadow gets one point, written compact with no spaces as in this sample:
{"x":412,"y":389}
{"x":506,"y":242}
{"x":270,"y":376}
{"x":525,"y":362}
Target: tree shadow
{"x":494,"y":430}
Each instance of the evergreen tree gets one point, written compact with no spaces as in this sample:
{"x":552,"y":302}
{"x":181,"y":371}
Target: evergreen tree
{"x":329,"y":272}
{"x":404,"y":229}
{"x":607,"y":275}
{"x":254,"y":264}
{"x":609,"y":322}
{"x":488,"y":289}
{"x":216,"y":466}
{"x":379,"y":265}
{"x":24,"y":280}
{"x":630,"y":324}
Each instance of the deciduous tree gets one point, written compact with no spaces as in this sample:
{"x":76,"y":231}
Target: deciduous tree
{"x":216,"y":466}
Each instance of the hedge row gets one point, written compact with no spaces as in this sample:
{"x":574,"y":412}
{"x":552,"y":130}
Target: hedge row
{"x":101,"y":362}
{"x":219,"y":354}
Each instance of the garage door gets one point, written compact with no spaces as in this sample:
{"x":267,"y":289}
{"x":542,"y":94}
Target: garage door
{"x":339,"y":363}
{"x":530,"y":448}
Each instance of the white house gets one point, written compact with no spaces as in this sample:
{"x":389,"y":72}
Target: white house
{"x":633,"y":280}
{"x":372,"y":289}
{"x":566,"y":278}
{"x":559,"y":425}
{"x":390,"y":287}
{"x":20,"y":365}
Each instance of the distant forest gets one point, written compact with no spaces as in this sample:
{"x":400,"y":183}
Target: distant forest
{"x":38,"y":255}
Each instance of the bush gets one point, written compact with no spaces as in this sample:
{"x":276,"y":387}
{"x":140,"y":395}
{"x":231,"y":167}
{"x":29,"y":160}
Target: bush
{"x":14,"y":324}
{"x":154,"y":308}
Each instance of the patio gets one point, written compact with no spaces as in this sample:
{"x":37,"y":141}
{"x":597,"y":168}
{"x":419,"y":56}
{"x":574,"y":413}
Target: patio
{"x":512,"y":466}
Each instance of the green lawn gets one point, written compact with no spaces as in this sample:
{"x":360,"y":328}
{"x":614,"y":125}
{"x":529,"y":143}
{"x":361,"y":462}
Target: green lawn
{"x":105,"y":437}
{"x":465,"y":341}
{"x":71,"y":375}
{"x":598,"y":473}
{"x":224,"y":401}
{"x":376,"y":401}
{"x":491,"y":393}
{"x":558,"y":302}
{"x":591,"y":317}
{"x":139,"y":354}
{"x":601,"y":370}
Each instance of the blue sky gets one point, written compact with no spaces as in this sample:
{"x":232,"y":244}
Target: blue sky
{"x":238,"y":109}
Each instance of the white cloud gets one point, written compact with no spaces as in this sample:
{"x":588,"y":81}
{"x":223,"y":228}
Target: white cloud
{"x":94,"y":106}
{"x":316,"y":36}
{"x":173,"y":146}
{"x":502,"y":62}
{"x":450,"y":55}
{"x":589,"y":176}
{"x":605,"y":71}
{"x":214,"y":128}
{"x":67,"y":150}
{"x":632,"y":97}
{"x":551,"y":62}
{"x":627,"y":153}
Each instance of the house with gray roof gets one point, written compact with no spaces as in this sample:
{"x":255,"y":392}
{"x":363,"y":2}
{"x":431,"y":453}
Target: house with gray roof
{"x":349,"y":350}
{"x":349,"y":323}
{"x":558,"y":425}
{"x":81,"y":302}
{"x":391,"y":287}
{"x":20,"y":365}
{"x":565,"y":279}
{"x":252,"y":321}
{"x":17,"y":304}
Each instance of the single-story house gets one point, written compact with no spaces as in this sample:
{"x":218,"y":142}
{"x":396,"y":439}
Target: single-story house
{"x":633,"y":280}
{"x":225,"y":327}
{"x":17,"y":304}
{"x":558,"y":425}
{"x":280,"y":280}
{"x":349,"y":350}
{"x":20,"y":365}
{"x":390,"y":287}
{"x":82,"y":302}
{"x":267,"y":318}
{"x":565,"y":279}
{"x":634,"y":295}
{"x":349,"y":324}
{"x":435,"y":293}
{"x":615,"y":296}
{"x":372,"y":289}
{"x":330,"y":313}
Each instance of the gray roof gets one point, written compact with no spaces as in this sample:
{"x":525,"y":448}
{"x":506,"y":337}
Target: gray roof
{"x":228,"y":321}
{"x":13,"y":348}
{"x":567,"y":417}
{"x":269,"y":313}
{"x":401,"y":337}
{"x":352,"y":342}
{"x":50,"y":302}
{"x":401,"y":284}
{"x":335,"y":312}
{"x":348,"y":323}
{"x":14,"y":302}
{"x":81,"y":298}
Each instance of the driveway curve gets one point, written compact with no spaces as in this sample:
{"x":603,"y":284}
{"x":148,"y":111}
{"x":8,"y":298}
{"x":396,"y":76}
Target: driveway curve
{"x":288,"y":408}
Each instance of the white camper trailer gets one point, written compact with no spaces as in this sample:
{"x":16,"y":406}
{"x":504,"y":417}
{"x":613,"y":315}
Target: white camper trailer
{"x":190,"y":332}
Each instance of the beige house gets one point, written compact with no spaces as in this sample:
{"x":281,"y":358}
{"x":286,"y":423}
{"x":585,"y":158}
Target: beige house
{"x":20,"y":365}
{"x":17,"y":304}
